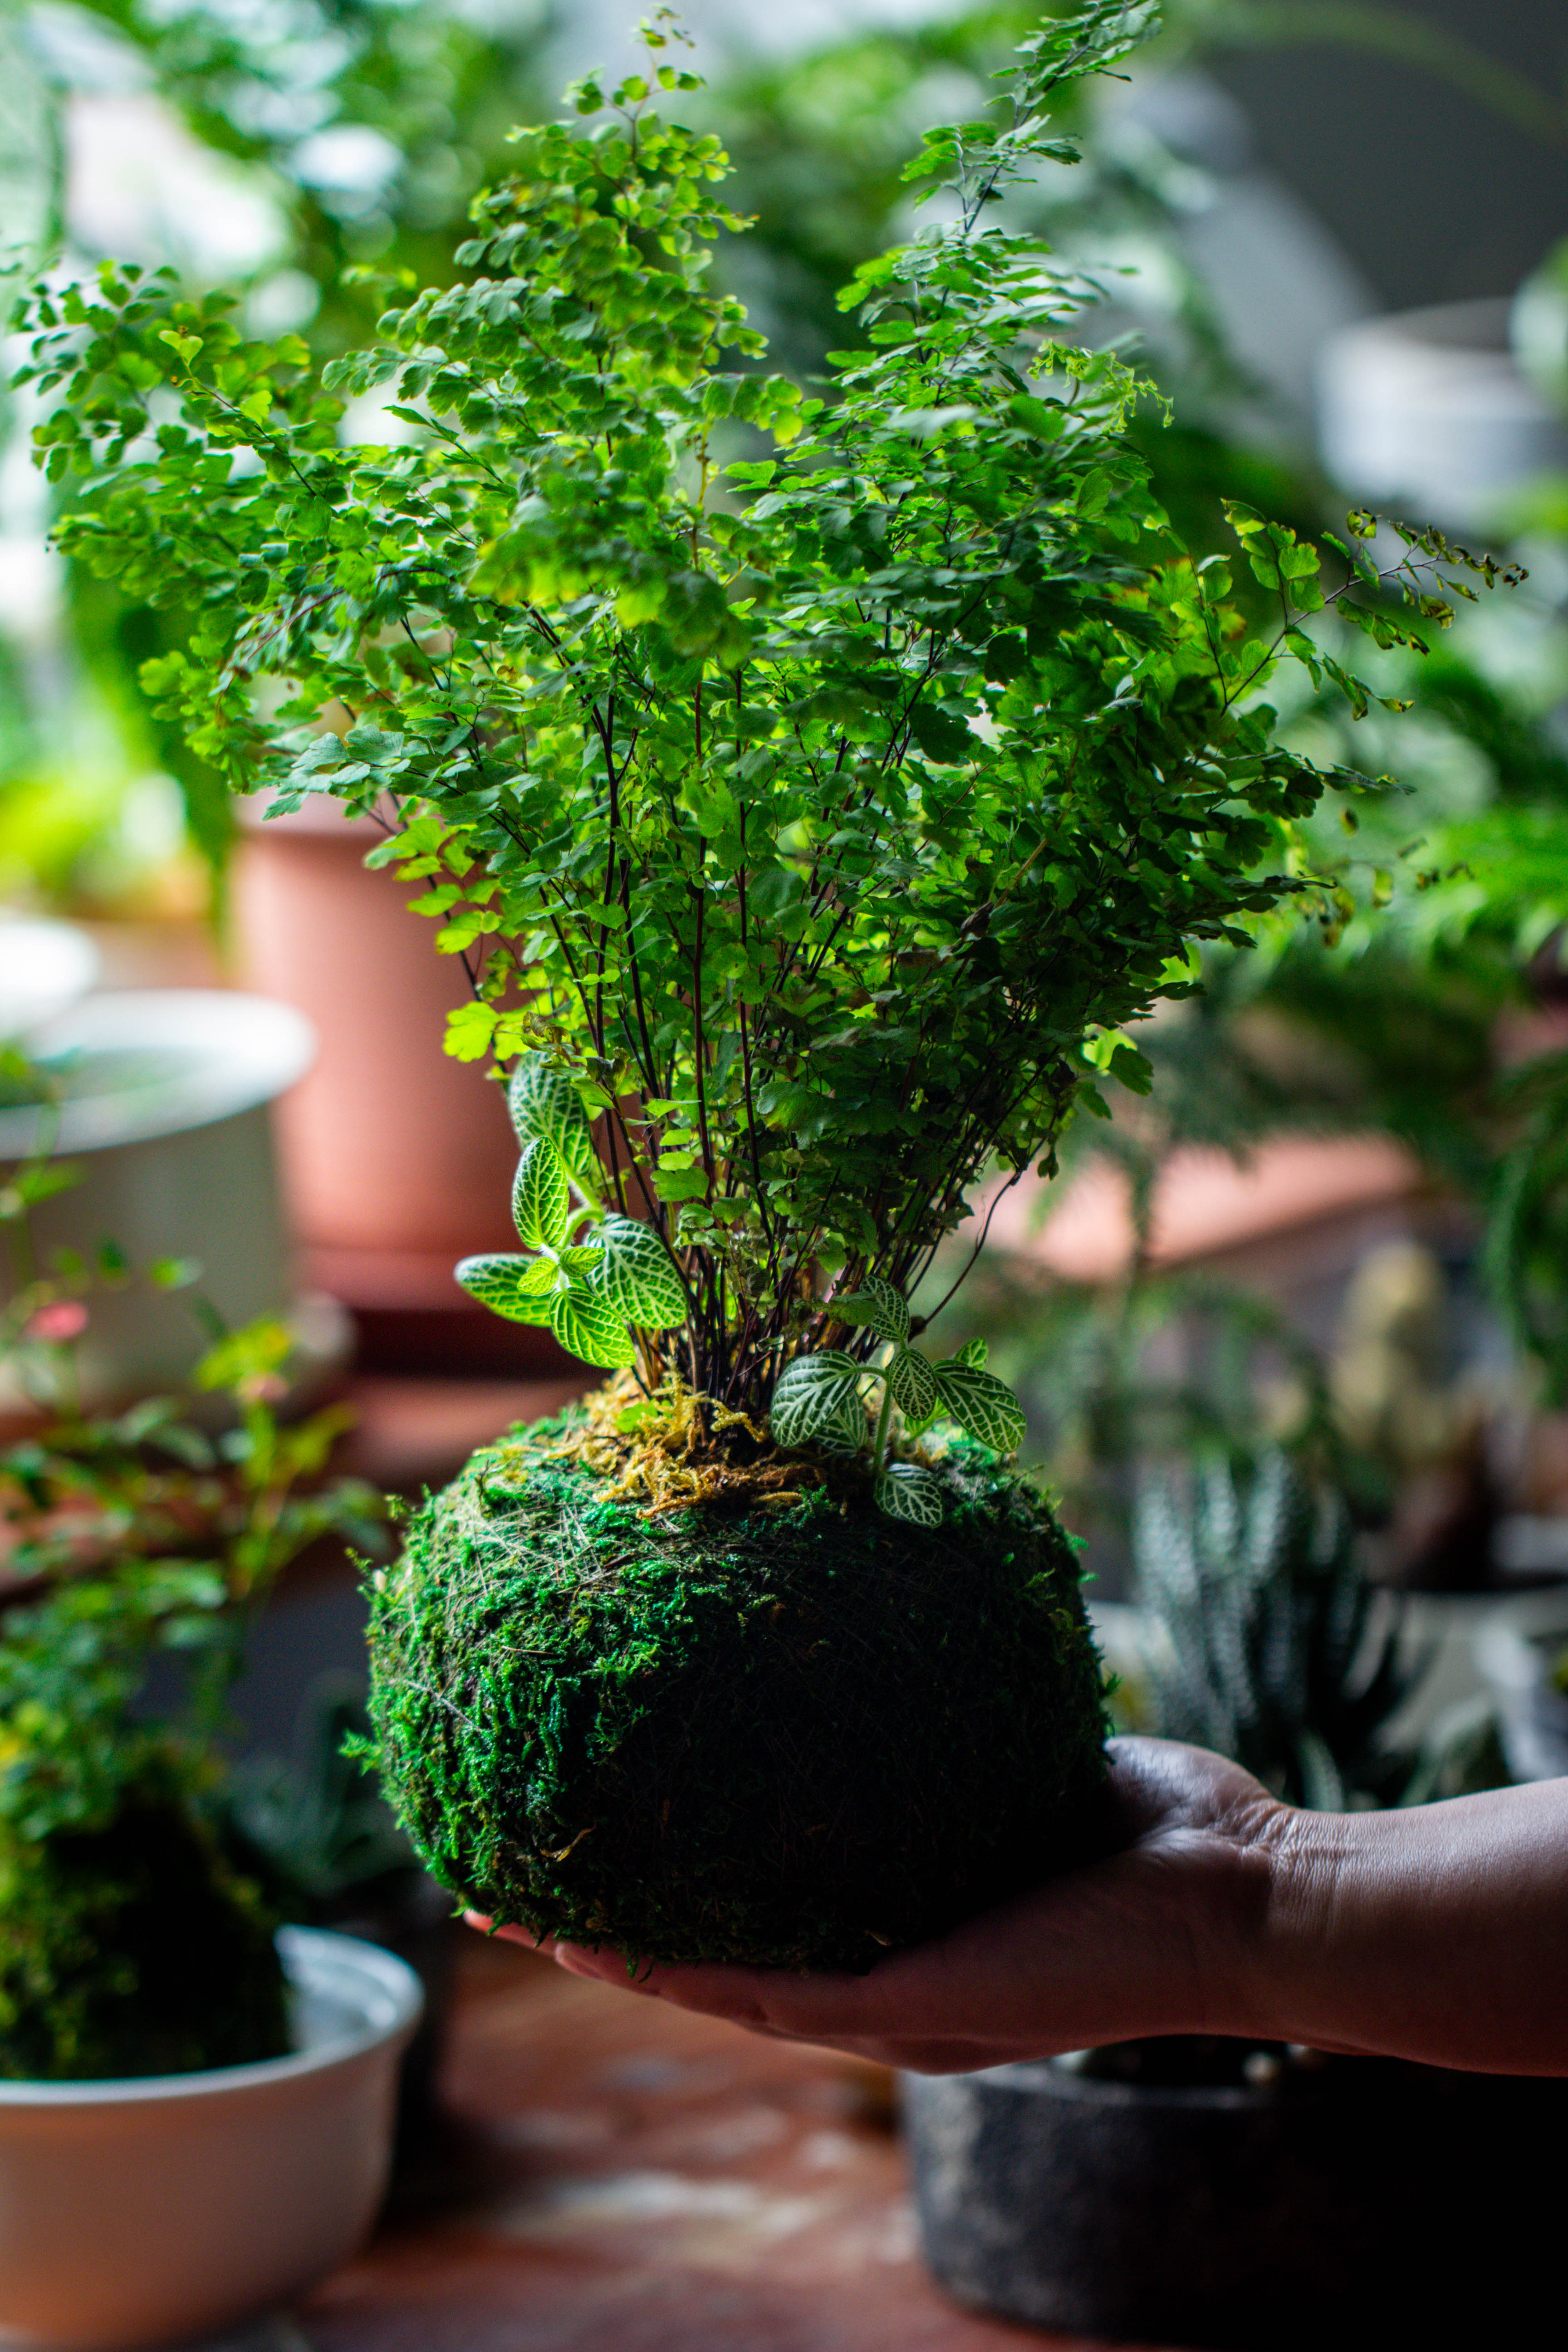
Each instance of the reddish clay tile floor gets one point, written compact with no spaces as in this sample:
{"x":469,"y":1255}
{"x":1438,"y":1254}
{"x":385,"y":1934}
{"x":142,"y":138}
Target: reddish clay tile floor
{"x":634,"y":2180}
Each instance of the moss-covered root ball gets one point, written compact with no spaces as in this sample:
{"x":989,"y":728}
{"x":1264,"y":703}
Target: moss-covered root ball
{"x":789,"y":1735}
{"x":134,"y":1950}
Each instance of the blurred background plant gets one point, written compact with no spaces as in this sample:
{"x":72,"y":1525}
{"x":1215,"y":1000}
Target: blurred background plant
{"x":135,"y":1551}
{"x":299,"y":147}
{"x":276,"y":145}
{"x":1267,"y":1651}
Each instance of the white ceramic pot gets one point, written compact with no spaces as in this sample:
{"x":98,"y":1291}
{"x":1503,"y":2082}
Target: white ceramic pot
{"x":154,"y":2212}
{"x":1428,"y":412}
{"x":168,"y":1119}
{"x":45,"y":968}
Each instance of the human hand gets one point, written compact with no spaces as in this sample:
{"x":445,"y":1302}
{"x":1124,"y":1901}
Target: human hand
{"x":1158,"y":1938}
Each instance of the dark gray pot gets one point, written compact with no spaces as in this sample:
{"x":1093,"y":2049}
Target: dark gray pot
{"x":1329,"y":2211}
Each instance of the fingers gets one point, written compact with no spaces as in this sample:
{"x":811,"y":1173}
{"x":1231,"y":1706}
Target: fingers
{"x":771,"y":2004}
{"x":1137,"y":1943}
{"x":514,"y":1934}
{"x":762,"y":2000}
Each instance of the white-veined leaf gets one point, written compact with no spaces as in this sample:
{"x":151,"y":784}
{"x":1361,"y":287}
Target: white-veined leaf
{"x":982,"y":1404}
{"x":641,"y":1280}
{"x":849,"y":1432}
{"x":877,"y":1303}
{"x":542,"y":1197}
{"x":588,"y":1327}
{"x":913,"y":1384}
{"x":973,"y":1352}
{"x":517,"y":1287}
{"x":544,"y":1104}
{"x":905,"y":1491}
{"x":811,"y":1396}
{"x":578,"y":1257}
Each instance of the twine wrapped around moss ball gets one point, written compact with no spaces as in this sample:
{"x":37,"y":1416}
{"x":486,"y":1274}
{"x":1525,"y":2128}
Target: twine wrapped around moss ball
{"x":788,"y":1735}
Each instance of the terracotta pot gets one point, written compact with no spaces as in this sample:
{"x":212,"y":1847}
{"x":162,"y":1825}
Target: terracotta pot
{"x":1205,"y":1205}
{"x":398,"y":1161}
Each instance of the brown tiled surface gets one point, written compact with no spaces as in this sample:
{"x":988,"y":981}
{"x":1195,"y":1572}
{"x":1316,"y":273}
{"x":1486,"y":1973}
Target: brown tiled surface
{"x":640,"y":2180}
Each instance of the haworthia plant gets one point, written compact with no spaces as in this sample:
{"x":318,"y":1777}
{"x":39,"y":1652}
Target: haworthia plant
{"x":1273,"y":1651}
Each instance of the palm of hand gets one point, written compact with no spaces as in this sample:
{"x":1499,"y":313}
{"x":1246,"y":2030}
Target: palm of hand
{"x":1147,"y":1940}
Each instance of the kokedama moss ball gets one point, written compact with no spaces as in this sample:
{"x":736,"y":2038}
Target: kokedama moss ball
{"x":789,"y":1737}
{"x":133,"y":1950}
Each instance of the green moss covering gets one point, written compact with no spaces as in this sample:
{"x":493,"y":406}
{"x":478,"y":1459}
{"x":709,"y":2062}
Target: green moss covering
{"x":133,"y":1950}
{"x":788,"y":1735}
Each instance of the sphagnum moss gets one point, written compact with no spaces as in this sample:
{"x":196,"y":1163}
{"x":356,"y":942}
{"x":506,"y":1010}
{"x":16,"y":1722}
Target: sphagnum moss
{"x":789,"y":1737}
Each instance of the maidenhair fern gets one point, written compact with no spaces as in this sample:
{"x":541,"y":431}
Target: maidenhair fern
{"x":814,"y":787}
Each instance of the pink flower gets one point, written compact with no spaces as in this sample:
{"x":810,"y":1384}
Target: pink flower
{"x":66,"y":1319}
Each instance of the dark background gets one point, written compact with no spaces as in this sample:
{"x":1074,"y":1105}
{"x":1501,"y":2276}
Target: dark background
{"x":1437,"y":196}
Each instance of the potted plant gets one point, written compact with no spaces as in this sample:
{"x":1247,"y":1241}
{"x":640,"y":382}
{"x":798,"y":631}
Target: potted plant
{"x":816,"y":787}
{"x":160,"y":1102}
{"x":387,"y":1146}
{"x":219,"y":2101}
{"x":1167,"y":2191}
{"x":314,"y":1829}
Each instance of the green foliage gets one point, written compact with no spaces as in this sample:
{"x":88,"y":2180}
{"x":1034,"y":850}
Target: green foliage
{"x":127,"y":1944}
{"x":790,"y":1733}
{"x":1527,"y":1234}
{"x":136,"y":1549}
{"x":822,"y":1397}
{"x":313,"y":1826}
{"x":1271,"y":1656}
{"x":590,"y":1290}
{"x":437,"y":84}
{"x":133,"y":1948}
{"x":818,"y":818}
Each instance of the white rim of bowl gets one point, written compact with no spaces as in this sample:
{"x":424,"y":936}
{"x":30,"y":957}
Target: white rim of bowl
{"x":386,"y":1986}
{"x":60,"y":961}
{"x":245,"y":1050}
